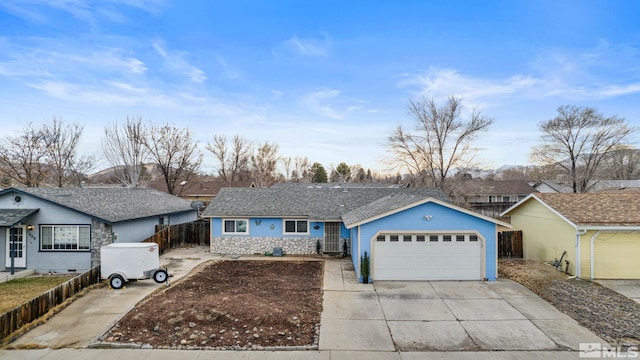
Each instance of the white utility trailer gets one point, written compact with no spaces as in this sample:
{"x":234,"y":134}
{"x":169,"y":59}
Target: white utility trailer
{"x":122,"y":262}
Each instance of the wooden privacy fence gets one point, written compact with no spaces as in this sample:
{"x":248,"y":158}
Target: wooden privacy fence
{"x":510,"y":244}
{"x":13,"y":320}
{"x":174,"y":236}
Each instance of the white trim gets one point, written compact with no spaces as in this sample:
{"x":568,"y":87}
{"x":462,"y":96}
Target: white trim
{"x":428,"y":200}
{"x":481,"y":241}
{"x":223,"y":232}
{"x":284,"y":227}
{"x":23,"y":260}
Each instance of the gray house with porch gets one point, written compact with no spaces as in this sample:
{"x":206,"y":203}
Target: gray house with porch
{"x":62,"y":229}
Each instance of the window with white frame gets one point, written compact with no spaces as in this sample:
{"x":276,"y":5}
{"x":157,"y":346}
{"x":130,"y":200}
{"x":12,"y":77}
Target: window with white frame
{"x":65,"y":237}
{"x":235,"y":226}
{"x":296,"y":226}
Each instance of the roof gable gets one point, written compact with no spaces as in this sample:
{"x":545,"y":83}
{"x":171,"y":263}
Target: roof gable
{"x":590,"y":209}
{"x":395,"y":203}
{"x":110,"y":204}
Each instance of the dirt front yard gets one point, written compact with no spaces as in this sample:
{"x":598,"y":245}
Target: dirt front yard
{"x":230,"y":305}
{"x":612,"y":316}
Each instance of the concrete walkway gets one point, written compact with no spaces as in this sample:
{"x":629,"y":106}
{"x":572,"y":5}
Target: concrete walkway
{"x":391,"y":320}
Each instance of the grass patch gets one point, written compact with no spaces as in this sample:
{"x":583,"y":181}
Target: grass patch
{"x":18,"y":291}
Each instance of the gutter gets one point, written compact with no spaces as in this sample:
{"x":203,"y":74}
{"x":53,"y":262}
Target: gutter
{"x":579,"y":233}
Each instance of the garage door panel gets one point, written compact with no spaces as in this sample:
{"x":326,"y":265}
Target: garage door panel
{"x":427,"y":260}
{"x":617,"y":258}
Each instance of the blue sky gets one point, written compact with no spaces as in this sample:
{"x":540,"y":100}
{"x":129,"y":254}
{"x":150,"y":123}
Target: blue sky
{"x":324,"y":79}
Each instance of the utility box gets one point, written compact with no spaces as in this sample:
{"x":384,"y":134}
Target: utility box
{"x":122,"y":262}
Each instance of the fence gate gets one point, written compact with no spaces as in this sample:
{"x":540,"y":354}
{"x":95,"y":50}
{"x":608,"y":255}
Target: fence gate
{"x":510,"y":244}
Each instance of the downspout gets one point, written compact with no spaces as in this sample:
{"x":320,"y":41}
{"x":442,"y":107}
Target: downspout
{"x":591,"y":259}
{"x":579,"y":233}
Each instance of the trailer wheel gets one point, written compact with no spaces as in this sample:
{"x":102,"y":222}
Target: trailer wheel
{"x":116,"y":282}
{"x":160,"y":276}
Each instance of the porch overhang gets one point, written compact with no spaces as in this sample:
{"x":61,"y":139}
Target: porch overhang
{"x":12,"y":217}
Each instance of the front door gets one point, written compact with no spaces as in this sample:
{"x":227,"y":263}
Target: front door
{"x":16,"y":245}
{"x":332,"y":237}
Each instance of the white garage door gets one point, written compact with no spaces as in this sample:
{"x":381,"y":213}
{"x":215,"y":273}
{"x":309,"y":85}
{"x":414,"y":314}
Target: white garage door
{"x":427,"y":257}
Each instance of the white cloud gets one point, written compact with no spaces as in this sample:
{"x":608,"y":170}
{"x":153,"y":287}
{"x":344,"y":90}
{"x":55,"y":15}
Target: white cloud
{"x":585,"y":76}
{"x":90,"y":12}
{"x":313,"y":47}
{"x":175,"y":61}
{"x":329,"y":103}
{"x":440,"y":83}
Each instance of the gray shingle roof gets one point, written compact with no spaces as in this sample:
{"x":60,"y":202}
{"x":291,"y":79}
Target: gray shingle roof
{"x":313,"y":203}
{"x":112,"y":204}
{"x":10,"y":217}
{"x":379,"y":207}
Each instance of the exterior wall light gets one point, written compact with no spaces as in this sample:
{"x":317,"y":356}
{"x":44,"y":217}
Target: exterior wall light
{"x":428,"y":217}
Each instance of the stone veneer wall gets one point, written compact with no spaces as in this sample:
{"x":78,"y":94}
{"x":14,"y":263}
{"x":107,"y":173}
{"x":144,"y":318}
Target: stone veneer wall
{"x":101,"y":234}
{"x":240,"y":245}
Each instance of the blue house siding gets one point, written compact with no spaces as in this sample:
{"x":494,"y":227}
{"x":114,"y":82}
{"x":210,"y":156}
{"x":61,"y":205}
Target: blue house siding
{"x":442,"y":219}
{"x":49,"y":214}
{"x":265,"y":233}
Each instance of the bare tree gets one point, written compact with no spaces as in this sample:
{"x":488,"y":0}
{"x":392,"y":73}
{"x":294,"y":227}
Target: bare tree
{"x":440,"y":142}
{"x":23,"y":156}
{"x":61,"y":142}
{"x":300,"y":172}
{"x":577,"y":140}
{"x":622,"y":164}
{"x":264,"y":163}
{"x":175,"y":153}
{"x":286,"y":165}
{"x":125,"y":150}
{"x":231,"y":163}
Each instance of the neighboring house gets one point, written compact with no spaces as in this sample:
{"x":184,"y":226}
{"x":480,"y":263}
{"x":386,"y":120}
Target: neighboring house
{"x":62,"y":229}
{"x":600,"y":232}
{"x":341,"y":185}
{"x":409,"y":234}
{"x":200,"y":190}
{"x":564,"y":186}
{"x":491,"y":197}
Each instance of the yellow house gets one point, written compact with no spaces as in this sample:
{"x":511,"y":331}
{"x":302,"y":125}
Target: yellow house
{"x":600,"y":232}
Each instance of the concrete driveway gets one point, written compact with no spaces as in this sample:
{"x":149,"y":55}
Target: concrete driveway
{"x":440,"y":316}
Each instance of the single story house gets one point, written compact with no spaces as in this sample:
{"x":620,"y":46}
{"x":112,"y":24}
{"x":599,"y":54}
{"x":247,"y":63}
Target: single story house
{"x":62,"y":229}
{"x":409,"y":234}
{"x":600,"y":232}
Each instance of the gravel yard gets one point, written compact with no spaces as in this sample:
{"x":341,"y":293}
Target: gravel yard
{"x":612,"y":316}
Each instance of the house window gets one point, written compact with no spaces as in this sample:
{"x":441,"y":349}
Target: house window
{"x":473,"y":237}
{"x":420,"y":238}
{"x":393,"y":238}
{"x":236,"y":226}
{"x":459,"y":237}
{"x":381,"y":238}
{"x":65,"y":237}
{"x":446,"y":237}
{"x":433,"y":238}
{"x":296,"y":227}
